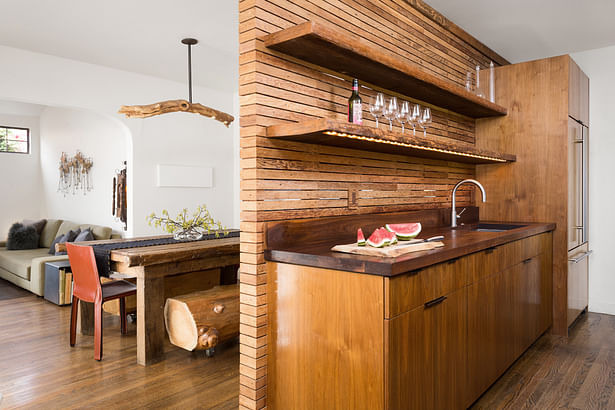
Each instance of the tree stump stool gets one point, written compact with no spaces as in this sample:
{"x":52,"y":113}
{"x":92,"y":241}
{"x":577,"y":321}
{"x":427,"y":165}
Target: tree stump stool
{"x":201,"y":320}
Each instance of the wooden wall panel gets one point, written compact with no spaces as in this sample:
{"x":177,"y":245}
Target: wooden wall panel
{"x":283,"y":180}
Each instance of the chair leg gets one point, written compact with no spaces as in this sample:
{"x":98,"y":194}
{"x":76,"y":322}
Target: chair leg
{"x":123,"y":315}
{"x":98,"y":331}
{"x":73,"y":320}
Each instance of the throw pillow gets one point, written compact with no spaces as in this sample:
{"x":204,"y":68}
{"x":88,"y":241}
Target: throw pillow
{"x":52,"y":248}
{"x":22,"y":237}
{"x":85,"y":235}
{"x":38,"y":225}
{"x":67,"y":237}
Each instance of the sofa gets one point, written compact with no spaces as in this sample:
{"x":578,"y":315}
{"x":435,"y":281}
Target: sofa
{"x":26,"y":268}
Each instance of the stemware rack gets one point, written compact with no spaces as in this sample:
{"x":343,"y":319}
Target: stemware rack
{"x":325,"y":131}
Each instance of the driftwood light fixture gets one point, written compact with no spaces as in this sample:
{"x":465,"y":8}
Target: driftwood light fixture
{"x":163,"y":107}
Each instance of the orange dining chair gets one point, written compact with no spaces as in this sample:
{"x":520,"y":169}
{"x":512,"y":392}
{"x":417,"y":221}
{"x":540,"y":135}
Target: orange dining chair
{"x":87,"y":287}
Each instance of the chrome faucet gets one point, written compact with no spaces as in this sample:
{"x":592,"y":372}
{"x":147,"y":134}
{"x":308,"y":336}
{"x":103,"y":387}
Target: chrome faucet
{"x":454,"y":215}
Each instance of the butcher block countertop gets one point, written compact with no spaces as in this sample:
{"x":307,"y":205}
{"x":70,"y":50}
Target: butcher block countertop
{"x":311,"y":250}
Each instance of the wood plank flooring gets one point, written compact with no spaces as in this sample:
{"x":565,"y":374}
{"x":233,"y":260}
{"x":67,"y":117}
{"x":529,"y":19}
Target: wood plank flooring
{"x":39,"y":370}
{"x":574,"y":373}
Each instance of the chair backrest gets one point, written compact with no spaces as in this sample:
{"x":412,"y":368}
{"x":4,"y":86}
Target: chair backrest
{"x":86,"y":282}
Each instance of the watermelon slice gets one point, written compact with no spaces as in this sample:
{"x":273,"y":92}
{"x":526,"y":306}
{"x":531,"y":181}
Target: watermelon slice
{"x":360,"y":238}
{"x":378,"y":238}
{"x":392,"y":236}
{"x":405,"y":232}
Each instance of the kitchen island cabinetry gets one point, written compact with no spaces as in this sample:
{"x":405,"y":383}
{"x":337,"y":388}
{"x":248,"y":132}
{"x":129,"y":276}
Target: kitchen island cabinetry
{"x":432,"y":338}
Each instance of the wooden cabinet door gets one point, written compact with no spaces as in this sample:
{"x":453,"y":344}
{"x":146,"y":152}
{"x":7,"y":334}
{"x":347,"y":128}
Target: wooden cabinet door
{"x":427,"y":355}
{"x":490,"y":331}
{"x":575,"y":184}
{"x":583,"y":98}
{"x":577,"y":282}
{"x":574,"y":91}
{"x":450,"y":350}
{"x":410,"y":382}
{"x":528,"y":302}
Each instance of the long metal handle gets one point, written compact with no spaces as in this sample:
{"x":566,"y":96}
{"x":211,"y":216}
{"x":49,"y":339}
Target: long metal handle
{"x":580,"y":258}
{"x":435,"y":302}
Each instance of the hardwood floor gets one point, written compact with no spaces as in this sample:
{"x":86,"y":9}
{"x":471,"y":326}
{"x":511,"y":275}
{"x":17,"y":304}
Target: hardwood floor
{"x":577,"y":373}
{"x":39,"y":370}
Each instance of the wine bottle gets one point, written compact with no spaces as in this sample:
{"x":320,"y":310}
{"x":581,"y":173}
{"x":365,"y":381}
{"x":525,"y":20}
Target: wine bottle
{"x":355,"y":111}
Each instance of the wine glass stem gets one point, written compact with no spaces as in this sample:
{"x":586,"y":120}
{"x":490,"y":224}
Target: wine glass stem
{"x":402,"y":127}
{"x":413,"y":130}
{"x":376,"y":121}
{"x":424,"y":132}
{"x":390,"y":125}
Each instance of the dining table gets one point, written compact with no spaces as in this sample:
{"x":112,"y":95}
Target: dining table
{"x":150,"y":265}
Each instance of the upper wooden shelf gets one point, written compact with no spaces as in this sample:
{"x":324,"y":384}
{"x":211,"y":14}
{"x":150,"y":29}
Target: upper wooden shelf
{"x":326,"y":131}
{"x":349,"y":54}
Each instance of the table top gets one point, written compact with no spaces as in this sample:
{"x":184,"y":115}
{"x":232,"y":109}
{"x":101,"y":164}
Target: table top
{"x":175,"y":252}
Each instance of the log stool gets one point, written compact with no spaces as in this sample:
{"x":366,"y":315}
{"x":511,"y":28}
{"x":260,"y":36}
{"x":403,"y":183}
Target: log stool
{"x":201,"y":320}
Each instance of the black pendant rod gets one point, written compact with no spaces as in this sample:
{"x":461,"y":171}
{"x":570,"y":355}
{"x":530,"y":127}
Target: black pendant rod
{"x":189,"y":42}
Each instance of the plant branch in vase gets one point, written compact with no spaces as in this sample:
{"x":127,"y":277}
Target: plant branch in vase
{"x":186,"y":227}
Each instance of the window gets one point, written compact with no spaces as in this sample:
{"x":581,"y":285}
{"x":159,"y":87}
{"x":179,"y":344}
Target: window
{"x":14,"y":139}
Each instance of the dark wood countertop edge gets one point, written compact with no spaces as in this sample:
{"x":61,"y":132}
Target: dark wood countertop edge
{"x":402,"y":264}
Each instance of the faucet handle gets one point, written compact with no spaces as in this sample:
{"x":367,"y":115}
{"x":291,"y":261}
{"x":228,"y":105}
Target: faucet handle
{"x":459,"y":214}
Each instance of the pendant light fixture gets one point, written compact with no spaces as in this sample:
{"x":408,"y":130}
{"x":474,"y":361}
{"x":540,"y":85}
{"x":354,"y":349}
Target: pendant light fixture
{"x":163,"y":107}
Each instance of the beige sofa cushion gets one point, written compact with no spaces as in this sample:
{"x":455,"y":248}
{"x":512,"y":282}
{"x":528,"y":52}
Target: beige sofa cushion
{"x":66,"y":226}
{"x":99,"y":232}
{"x":50,"y":231}
{"x":18,"y":262}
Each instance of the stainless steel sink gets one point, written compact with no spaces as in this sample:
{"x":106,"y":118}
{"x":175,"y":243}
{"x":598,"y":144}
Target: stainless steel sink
{"x":489,"y":227}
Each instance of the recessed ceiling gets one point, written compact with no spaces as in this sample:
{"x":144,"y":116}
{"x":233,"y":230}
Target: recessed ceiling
{"x":525,"y":30}
{"x":141,"y":36}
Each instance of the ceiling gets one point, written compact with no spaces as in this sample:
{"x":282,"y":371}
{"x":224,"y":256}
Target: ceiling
{"x":141,"y":36}
{"x":529,"y":29}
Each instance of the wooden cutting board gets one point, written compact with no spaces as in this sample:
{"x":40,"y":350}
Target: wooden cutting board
{"x":389,"y":251}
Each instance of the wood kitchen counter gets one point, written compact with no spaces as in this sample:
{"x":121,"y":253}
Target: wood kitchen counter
{"x":457,"y":242}
{"x":426,"y":330}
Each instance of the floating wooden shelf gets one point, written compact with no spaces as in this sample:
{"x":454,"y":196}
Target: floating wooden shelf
{"x":348,"y":54}
{"x":325,"y":131}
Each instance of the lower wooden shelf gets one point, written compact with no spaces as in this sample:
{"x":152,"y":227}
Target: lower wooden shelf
{"x":324,"y":131}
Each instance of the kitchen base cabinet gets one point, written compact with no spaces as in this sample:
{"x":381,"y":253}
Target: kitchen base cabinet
{"x":490,"y":331}
{"x":435,"y":338}
{"x":428,"y":344}
{"x":578,"y":296}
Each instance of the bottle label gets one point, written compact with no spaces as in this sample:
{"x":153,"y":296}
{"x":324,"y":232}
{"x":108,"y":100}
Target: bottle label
{"x":357,"y":113}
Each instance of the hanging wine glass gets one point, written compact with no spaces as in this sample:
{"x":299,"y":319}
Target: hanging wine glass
{"x":376,"y":106}
{"x":402,"y":116}
{"x":425,"y":120}
{"x":413,"y":116}
{"x":391,"y":111}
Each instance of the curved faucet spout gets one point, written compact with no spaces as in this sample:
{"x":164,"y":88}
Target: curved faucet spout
{"x":454,"y":215}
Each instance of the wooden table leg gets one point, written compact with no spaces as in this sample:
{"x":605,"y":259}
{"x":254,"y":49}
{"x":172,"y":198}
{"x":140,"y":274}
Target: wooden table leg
{"x":150,"y":319}
{"x":86,"y":311}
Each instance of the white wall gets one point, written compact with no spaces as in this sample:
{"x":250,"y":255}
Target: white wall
{"x":20,"y":181}
{"x":68,"y":130}
{"x":53,"y":81}
{"x":598,"y":65}
{"x":183,"y":139}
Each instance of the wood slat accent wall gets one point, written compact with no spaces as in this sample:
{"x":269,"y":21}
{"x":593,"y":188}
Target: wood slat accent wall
{"x":282,"y":180}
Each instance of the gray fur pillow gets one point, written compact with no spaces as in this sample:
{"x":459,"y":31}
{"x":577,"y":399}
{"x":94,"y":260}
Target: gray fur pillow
{"x":22,"y":237}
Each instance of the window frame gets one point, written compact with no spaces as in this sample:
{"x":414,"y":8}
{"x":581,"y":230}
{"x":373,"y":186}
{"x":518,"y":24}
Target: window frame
{"x":28,"y":140}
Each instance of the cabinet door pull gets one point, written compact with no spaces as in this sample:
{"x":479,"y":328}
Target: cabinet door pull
{"x":435,"y":301}
{"x":580,"y":258}
{"x":452,"y":261}
{"x":490,"y":250}
{"x":528,"y":260}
